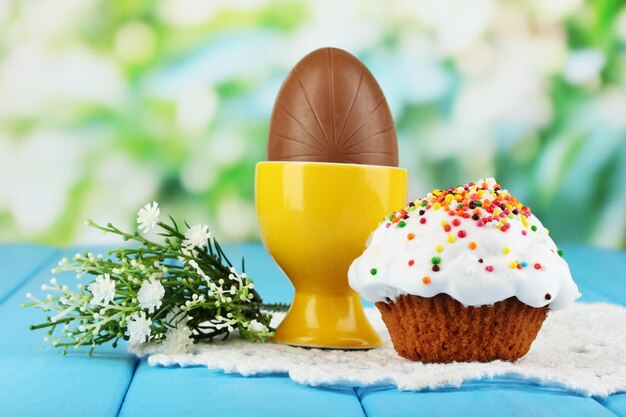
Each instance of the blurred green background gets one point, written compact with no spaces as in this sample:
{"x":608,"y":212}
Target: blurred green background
{"x":106,"y":105}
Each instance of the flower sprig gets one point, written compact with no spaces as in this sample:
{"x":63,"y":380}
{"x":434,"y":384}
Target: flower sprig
{"x":173,"y":293}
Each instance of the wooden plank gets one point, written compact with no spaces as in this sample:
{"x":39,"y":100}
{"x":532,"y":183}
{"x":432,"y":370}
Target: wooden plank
{"x":617,"y":404}
{"x":484,"y":399}
{"x":37,"y":381}
{"x":157,"y":391}
{"x":18,"y":263}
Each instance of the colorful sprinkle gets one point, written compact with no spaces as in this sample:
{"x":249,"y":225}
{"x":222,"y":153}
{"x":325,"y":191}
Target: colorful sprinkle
{"x":480,"y":260}
{"x":537,"y":265}
{"x":560,"y":252}
{"x":506,"y":250}
{"x":485,"y":203}
{"x":435,"y":260}
{"x":436,"y":268}
{"x":489,"y":268}
{"x":373,"y":271}
{"x":426,"y":280}
{"x":411,"y":262}
{"x":473,"y":245}
{"x":410,"y":236}
{"x":548,"y":296}
{"x":524,"y":264}
{"x":439,"y":248}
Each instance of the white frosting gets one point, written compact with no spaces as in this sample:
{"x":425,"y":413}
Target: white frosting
{"x":393,"y":264}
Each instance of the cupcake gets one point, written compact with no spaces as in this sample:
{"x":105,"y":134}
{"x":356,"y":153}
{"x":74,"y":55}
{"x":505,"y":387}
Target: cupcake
{"x":464,"y":274}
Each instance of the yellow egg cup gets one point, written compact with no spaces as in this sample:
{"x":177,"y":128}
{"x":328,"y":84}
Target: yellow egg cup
{"x":314,"y":219}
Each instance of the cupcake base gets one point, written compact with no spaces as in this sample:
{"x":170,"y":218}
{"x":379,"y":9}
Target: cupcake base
{"x":440,"y":329}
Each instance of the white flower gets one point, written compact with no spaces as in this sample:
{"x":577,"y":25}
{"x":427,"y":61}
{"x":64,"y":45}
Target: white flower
{"x":103,"y":290}
{"x":148,"y":217}
{"x":199,"y":270}
{"x":139,"y":327}
{"x":150,"y":294}
{"x":178,"y":339}
{"x":196,"y":236}
{"x":218,"y":292}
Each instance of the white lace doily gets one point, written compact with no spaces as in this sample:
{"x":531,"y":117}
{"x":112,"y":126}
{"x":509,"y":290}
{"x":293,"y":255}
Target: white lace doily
{"x":581,"y":348}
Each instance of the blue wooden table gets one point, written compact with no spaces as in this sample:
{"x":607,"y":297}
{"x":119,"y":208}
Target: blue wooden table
{"x":35,"y":380}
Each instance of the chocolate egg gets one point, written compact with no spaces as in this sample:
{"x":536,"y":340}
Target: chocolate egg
{"x":331,"y":109}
